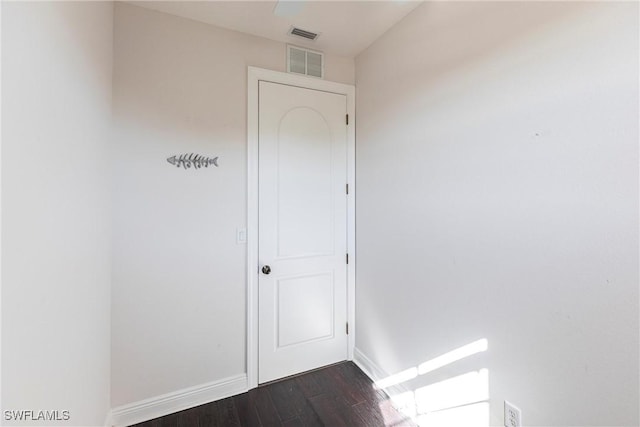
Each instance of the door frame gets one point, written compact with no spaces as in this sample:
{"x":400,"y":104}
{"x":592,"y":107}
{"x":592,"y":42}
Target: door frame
{"x":254,"y":77}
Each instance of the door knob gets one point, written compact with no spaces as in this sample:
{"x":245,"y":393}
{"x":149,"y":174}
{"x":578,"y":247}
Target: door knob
{"x":266,"y":269}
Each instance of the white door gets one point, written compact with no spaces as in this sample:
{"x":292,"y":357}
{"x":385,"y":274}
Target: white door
{"x":302,"y":230}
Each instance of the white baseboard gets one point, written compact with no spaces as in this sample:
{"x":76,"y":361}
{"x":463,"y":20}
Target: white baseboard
{"x":180,"y":400}
{"x":375,"y":372}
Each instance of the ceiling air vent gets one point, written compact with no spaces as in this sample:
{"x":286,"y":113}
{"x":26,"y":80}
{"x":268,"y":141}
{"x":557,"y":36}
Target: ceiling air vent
{"x":303,"y":33}
{"x":305,"y":61}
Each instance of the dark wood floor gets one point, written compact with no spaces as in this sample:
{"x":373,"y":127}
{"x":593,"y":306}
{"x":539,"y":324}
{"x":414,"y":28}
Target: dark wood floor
{"x":339,"y":395}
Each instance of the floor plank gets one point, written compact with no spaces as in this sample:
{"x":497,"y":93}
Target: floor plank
{"x":265,"y":407}
{"x":338,"y":395}
{"x":246,"y":410}
{"x":284,"y":395}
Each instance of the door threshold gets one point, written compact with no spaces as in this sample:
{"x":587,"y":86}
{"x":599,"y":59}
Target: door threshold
{"x":300,"y":374}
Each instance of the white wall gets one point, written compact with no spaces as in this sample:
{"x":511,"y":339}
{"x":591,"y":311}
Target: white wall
{"x":179,"y":308}
{"x":56,"y":118}
{"x":497,"y":172}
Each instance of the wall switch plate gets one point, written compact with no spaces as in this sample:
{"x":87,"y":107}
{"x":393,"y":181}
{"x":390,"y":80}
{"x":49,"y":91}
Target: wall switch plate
{"x":512,"y":415}
{"x":241,"y":236}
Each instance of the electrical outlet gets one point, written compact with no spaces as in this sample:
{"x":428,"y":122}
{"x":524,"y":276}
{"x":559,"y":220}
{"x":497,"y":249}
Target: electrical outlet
{"x":512,"y":415}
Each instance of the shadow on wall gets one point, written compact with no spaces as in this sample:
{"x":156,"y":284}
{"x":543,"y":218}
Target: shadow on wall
{"x":473,"y":32}
{"x":462,"y":400}
{"x":459,"y":37}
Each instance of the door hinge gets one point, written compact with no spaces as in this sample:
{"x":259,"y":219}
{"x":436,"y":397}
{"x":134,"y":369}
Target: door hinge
{"x":347,"y":328}
{"x":347,"y":118}
{"x":347,"y":258}
{"x":347,"y":188}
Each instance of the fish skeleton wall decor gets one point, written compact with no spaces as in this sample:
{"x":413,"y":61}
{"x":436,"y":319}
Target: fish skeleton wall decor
{"x":195,"y":160}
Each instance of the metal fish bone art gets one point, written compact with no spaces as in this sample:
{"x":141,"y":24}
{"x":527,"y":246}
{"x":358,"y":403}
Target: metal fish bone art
{"x":195,"y":160}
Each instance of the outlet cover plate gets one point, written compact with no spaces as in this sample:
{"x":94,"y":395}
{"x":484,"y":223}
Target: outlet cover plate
{"x":512,"y":415}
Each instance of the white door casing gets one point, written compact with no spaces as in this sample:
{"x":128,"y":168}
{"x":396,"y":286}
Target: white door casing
{"x":300,"y":223}
{"x":302,"y":230}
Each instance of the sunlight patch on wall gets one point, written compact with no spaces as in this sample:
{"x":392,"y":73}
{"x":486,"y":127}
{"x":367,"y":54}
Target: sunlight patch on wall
{"x":452,"y":356}
{"x":435,"y":363}
{"x":476,"y":415}
{"x":469,"y":388}
{"x":398,"y":378}
{"x":459,"y":401}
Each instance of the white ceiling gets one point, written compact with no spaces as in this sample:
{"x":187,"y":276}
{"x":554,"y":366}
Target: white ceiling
{"x":346,"y":27}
